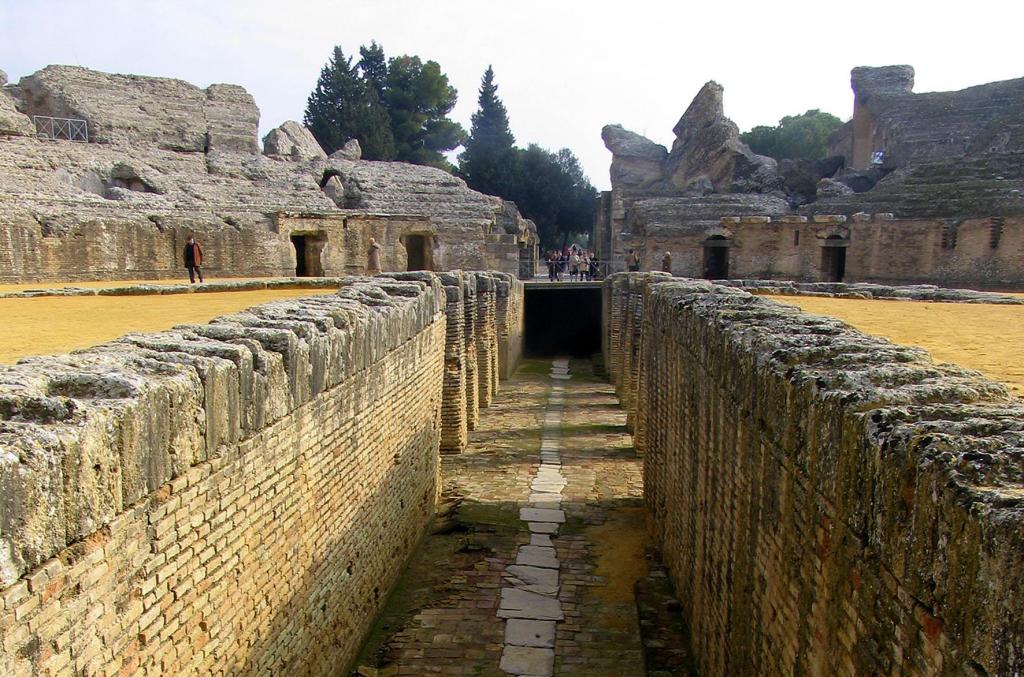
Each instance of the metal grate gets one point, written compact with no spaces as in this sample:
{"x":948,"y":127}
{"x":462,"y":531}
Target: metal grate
{"x":66,"y":129}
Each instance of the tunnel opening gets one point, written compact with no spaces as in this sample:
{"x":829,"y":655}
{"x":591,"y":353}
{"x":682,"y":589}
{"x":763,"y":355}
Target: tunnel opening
{"x":562,"y":320}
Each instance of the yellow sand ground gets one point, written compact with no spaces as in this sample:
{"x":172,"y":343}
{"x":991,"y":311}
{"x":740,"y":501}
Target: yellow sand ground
{"x":57,"y":324}
{"x":106,"y":284}
{"x":989,"y":338}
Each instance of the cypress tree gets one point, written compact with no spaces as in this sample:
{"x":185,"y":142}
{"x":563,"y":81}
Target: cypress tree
{"x":489,"y":159}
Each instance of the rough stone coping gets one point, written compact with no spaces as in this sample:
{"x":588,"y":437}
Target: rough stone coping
{"x":500,"y":282}
{"x":125,"y":288}
{"x":866,"y":290}
{"x":220,"y":382}
{"x":960,"y":434}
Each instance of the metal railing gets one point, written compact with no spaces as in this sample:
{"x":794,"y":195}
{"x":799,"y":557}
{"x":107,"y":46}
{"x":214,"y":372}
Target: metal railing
{"x":564,"y":271}
{"x":66,"y":129}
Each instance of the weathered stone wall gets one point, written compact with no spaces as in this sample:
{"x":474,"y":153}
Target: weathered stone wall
{"x":238,"y":496}
{"x":167,"y":159}
{"x":826,"y":502}
{"x":977,"y":253}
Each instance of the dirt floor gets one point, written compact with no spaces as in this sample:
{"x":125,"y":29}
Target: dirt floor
{"x":989,"y":338}
{"x":46,"y":325}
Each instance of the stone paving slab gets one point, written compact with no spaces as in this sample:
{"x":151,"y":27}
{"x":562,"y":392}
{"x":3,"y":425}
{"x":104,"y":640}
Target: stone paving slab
{"x":521,"y":632}
{"x":541,"y":515}
{"x":517,"y":603}
{"x":536,"y":558}
{"x":522,"y":660}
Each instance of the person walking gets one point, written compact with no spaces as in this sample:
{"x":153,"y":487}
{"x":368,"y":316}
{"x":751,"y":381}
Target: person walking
{"x":574,"y":266}
{"x":193,"y":256}
{"x":373,"y":258}
{"x":666,"y":263}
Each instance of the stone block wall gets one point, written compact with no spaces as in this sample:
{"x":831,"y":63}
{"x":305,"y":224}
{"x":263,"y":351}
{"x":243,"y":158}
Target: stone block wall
{"x":237,"y":497}
{"x":509,"y":319}
{"x":826,"y":502}
{"x":486,"y":338}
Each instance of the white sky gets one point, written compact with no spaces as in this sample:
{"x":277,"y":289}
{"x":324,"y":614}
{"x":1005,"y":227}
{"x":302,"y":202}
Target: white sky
{"x":564,"y":68}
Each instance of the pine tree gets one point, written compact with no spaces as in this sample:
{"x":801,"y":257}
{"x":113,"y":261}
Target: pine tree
{"x":488,"y":161}
{"x":374,"y":67}
{"x":343,"y":106}
{"x":418,"y":98}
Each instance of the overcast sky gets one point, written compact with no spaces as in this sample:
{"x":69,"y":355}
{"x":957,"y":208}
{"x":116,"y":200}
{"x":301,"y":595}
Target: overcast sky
{"x":564,"y":68}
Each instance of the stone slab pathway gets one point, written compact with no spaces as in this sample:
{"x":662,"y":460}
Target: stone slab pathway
{"x":534,"y":574}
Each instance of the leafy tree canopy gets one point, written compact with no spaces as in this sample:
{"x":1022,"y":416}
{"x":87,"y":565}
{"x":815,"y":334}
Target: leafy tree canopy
{"x":343,"y":107}
{"x":796,"y":136}
{"x":397,"y":109}
{"x":418,"y":99}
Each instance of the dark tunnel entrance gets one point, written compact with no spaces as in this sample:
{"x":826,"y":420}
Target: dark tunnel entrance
{"x":562,"y":320}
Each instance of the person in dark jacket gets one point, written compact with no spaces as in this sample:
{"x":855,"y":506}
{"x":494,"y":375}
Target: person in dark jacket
{"x":193,"y":260}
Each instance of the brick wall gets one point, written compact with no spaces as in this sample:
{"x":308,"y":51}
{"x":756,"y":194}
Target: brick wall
{"x":826,"y":502}
{"x":236,"y":497}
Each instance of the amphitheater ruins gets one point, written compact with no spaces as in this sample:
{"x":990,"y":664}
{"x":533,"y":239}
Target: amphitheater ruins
{"x":920,"y":188}
{"x":160,"y":159}
{"x":419,"y":472}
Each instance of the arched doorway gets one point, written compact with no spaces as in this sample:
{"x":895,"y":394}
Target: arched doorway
{"x":833,"y":258}
{"x":419,"y":251}
{"x":716,"y":257}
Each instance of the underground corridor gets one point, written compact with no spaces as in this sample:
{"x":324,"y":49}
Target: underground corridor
{"x":492,"y":591}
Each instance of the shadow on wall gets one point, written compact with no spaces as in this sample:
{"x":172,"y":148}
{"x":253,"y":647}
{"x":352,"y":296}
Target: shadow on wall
{"x":562,"y":321}
{"x":343,"y":588}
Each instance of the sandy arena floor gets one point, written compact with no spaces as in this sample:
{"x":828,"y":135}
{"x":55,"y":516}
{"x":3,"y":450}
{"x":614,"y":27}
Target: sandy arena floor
{"x":989,"y":338}
{"x":105,"y":284}
{"x":58,"y":324}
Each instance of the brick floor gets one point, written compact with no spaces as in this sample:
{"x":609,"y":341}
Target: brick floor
{"x":441,"y":619}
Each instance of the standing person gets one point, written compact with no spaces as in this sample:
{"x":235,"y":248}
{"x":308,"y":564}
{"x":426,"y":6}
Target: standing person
{"x":574,"y":266}
{"x":552,"y":266}
{"x":373,"y":258}
{"x":193,"y":260}
{"x":632,"y":261}
{"x":666,"y":263}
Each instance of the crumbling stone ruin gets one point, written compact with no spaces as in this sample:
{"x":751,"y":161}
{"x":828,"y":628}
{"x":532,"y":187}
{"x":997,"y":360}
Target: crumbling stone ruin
{"x":922,"y":188}
{"x":165,"y":158}
{"x":238,"y":496}
{"x":826,"y":502}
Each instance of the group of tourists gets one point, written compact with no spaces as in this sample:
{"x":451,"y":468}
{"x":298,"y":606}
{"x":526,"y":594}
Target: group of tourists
{"x":573,"y":259}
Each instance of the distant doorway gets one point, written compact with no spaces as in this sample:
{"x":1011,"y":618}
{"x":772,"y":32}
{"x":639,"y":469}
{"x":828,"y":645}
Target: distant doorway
{"x":308,"y":250}
{"x":716,"y":258}
{"x":418,"y":252}
{"x":833,"y":259}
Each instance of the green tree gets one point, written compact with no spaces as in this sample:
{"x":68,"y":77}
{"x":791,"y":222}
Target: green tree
{"x":418,"y":99}
{"x":796,"y":136}
{"x":373,"y":66}
{"x":343,"y":107}
{"x":488,"y":162}
{"x":551,"y":189}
